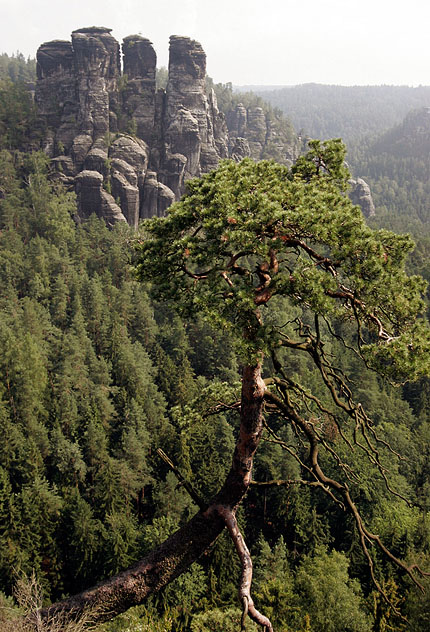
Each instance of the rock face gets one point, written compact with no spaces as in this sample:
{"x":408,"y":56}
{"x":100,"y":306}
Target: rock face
{"x":127,"y":148}
{"x":360,"y":194}
{"x":252,"y":133}
{"x":93,"y":198}
{"x":138,"y":92}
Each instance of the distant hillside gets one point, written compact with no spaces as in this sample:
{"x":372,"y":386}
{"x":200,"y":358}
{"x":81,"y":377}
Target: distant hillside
{"x":410,"y":139}
{"x":257,"y":89}
{"x":327,"y":111}
{"x":396,"y":164}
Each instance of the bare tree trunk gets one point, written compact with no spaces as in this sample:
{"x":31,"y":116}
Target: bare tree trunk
{"x":132,"y":586}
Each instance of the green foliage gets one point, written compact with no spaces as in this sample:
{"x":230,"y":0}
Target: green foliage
{"x":273,"y":584}
{"x":418,"y":608}
{"x":210,"y":254}
{"x":251,"y":233}
{"x":87,"y":365}
{"x":78,"y":398}
{"x":329,"y":596}
{"x":327,"y":111}
{"x":94,"y":376}
{"x":16,"y":68}
{"x":385,"y":619}
{"x":227,"y":620}
{"x":20,"y":127}
{"x":140,"y":619}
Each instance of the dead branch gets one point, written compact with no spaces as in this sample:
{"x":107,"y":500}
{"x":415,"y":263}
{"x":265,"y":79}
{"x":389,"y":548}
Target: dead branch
{"x":221,"y":406}
{"x":284,"y":483}
{"x":246,"y":562}
{"x":201,"y":504}
{"x":342,"y":489}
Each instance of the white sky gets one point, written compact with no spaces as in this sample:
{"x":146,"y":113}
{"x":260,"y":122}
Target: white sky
{"x":251,"y":41}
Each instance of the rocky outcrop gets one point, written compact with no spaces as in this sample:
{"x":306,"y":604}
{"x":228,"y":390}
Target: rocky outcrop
{"x":56,"y":94}
{"x":157,"y":197}
{"x":360,"y":194}
{"x":92,"y":198}
{"x":138,"y":86}
{"x":240,"y":149}
{"x":97,"y":70}
{"x":257,"y":134}
{"x":193,"y":133}
{"x":127,"y":148}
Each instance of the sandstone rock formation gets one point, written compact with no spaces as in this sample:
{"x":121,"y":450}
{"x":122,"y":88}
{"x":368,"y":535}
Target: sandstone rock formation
{"x":360,"y":194}
{"x":125,"y":147}
{"x":253,"y":133}
{"x":93,"y":198}
{"x":138,"y":89}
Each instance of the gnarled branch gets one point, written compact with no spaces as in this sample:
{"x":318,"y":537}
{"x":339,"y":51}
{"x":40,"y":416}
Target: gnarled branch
{"x":246,"y":563}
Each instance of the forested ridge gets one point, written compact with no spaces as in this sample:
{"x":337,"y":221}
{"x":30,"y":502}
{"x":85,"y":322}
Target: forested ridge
{"x":349,"y":112}
{"x":386,"y":129}
{"x":397,"y":166}
{"x":96,"y":376}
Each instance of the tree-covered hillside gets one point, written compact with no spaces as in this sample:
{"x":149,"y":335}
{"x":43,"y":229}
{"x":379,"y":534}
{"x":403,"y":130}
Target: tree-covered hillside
{"x":93,"y":381}
{"x":324,"y":111}
{"x":96,"y":376}
{"x":396,"y":164}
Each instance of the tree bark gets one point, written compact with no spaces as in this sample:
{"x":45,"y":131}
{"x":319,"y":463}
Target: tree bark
{"x":132,"y":586}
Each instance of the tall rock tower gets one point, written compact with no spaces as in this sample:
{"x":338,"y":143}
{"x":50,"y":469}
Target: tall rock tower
{"x":125,"y":147}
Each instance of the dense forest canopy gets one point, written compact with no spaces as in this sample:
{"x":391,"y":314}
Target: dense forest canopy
{"x":396,"y":163}
{"x":349,"y":112}
{"x":96,"y":375}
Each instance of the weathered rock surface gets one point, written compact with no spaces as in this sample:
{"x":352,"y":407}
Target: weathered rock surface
{"x":138,"y":95}
{"x":264,"y":139}
{"x":157,"y":197}
{"x":240,"y":149}
{"x":360,"y":194}
{"x":56,"y":94}
{"x":112,"y":132}
{"x":97,"y":70}
{"x":128,"y":197}
{"x":92,"y":198}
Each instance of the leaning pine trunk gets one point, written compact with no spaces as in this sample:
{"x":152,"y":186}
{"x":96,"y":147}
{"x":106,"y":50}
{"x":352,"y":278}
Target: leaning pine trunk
{"x":132,"y":586}
{"x":251,"y":427}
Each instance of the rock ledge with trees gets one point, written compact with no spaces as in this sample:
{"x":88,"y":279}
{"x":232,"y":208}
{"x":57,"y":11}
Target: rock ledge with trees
{"x":107,"y":117}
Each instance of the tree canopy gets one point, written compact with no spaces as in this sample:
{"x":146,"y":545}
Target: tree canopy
{"x":249,"y":232}
{"x":282,"y":260}
{"x":351,"y":112}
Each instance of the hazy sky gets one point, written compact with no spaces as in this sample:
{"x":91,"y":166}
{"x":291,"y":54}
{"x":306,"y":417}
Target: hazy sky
{"x":251,"y":41}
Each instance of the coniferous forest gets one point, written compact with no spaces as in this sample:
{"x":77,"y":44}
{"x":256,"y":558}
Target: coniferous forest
{"x":99,"y":374}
